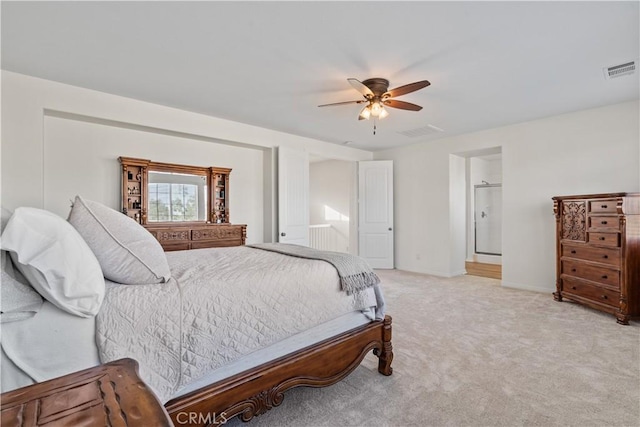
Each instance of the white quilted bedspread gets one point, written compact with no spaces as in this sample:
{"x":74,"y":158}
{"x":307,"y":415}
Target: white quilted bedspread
{"x":221,"y":304}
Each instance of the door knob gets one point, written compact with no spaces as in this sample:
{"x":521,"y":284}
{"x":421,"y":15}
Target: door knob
{"x":390,"y":229}
{"x":283,"y":234}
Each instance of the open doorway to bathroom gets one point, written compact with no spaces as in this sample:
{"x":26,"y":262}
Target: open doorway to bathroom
{"x":484,"y":214}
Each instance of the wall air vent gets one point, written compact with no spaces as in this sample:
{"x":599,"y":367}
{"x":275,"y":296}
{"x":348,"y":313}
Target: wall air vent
{"x":620,"y":70}
{"x":421,"y":131}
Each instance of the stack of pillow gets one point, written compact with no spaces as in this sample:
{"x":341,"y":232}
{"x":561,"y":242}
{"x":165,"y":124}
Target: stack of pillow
{"x":66,"y":262}
{"x":18,"y":299}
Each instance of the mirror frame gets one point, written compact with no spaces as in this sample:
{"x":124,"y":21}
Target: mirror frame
{"x":147,"y":166}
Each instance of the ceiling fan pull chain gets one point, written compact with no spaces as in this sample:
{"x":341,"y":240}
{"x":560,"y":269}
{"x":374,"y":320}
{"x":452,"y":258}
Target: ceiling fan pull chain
{"x":374,"y":126}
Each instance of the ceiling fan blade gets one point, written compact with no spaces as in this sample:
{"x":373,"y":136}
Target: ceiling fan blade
{"x":360,"y":87}
{"x":343,"y":103}
{"x":403,"y":90}
{"x":393,"y":103}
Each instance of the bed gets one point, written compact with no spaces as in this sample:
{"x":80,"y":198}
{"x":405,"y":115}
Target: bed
{"x":217,"y":333}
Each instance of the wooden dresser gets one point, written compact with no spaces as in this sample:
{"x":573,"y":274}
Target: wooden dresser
{"x":183,"y":206}
{"x":107,"y":395}
{"x":180,"y":237}
{"x":598,"y":252}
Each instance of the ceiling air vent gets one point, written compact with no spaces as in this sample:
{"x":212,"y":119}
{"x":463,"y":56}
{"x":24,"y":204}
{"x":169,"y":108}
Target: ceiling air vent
{"x":620,"y":70}
{"x":422,"y":131}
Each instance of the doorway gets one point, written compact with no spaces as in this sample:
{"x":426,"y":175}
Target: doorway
{"x":488,"y":219}
{"x":331,"y":199}
{"x":484,"y":214}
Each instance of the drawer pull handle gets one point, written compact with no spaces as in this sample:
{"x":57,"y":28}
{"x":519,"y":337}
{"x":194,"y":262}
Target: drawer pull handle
{"x":600,"y":238}
{"x":605,"y":256}
{"x":573,"y":252}
{"x":605,"y":277}
{"x":604,"y":297}
{"x":573,"y":269}
{"x":603,"y":206}
{"x":603,"y":222}
{"x":573,"y":287}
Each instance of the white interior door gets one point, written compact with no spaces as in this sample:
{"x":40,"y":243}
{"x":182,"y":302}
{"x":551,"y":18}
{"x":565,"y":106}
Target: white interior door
{"x":375,"y":212}
{"x":293,"y":196}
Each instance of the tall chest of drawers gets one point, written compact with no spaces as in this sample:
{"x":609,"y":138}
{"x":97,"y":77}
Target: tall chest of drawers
{"x":598,"y":252}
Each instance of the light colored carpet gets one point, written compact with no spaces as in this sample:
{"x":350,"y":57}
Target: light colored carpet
{"x":471,"y":353}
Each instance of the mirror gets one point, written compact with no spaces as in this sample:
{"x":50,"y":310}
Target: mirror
{"x":176,"y":197}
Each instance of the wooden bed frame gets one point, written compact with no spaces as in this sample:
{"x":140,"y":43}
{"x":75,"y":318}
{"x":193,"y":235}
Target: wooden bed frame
{"x":255,"y":391}
{"x":115,"y":392}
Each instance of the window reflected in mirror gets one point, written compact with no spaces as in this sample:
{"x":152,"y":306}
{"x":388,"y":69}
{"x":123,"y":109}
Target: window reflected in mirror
{"x":176,"y":197}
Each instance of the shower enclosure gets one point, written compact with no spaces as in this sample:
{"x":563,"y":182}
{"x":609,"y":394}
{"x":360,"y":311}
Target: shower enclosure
{"x":488,"y":219}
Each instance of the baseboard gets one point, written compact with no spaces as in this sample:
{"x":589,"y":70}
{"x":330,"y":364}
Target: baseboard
{"x":458,"y":273}
{"x":433,"y":272}
{"x":527,"y":287}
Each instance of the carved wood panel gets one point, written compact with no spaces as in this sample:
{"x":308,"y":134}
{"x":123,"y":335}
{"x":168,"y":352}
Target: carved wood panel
{"x":182,"y":235}
{"x":574,"y":220}
{"x":217,"y":233}
{"x":110,"y":394}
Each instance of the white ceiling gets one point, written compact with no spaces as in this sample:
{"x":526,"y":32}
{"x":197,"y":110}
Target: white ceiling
{"x":270,"y":64}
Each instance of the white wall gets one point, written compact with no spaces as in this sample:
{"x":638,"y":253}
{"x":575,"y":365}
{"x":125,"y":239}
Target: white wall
{"x":82,"y":158}
{"x":50,"y":129}
{"x":485,"y":170}
{"x":457,"y":214}
{"x":584,"y":152}
{"x":330,"y":195}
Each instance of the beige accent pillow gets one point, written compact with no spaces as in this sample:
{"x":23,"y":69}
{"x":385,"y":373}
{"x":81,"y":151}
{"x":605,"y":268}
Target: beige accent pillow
{"x":126,"y":251}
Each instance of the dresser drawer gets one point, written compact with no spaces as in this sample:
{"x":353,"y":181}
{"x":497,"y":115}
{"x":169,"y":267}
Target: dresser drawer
{"x":217,"y":232}
{"x":171,"y":236}
{"x":605,"y":239}
{"x":586,"y":271}
{"x":609,"y":256}
{"x":603,"y":206}
{"x":594,"y":293}
{"x":608,"y":223}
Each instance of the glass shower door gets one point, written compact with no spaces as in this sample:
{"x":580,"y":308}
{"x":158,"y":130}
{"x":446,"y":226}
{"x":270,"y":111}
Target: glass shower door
{"x":488,"y":219}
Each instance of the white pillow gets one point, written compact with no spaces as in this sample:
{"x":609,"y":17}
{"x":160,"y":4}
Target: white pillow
{"x":50,"y":253}
{"x":5,"y":214}
{"x":127,"y":252}
{"x":18,"y":299}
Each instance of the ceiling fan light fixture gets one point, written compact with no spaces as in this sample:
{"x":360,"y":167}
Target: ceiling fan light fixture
{"x":365,"y":113}
{"x":373,"y":109}
{"x":376,"y":108}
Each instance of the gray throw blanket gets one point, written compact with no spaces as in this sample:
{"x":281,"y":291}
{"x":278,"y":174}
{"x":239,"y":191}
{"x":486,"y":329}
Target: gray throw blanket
{"x":354,"y":272}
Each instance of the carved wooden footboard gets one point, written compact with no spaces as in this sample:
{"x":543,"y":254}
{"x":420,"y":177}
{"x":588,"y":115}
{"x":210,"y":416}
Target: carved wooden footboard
{"x":257,"y":390}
